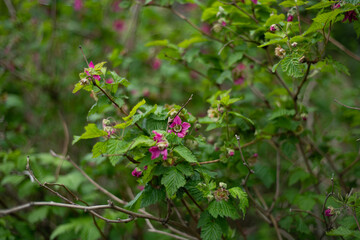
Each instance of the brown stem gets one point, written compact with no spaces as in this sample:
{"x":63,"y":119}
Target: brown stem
{"x":193,"y":200}
{"x":207,"y":162}
{"x":277,"y":191}
{"x":355,"y":108}
{"x":308,"y":212}
{"x":298,"y":16}
{"x":178,"y":112}
{"x":296,"y":95}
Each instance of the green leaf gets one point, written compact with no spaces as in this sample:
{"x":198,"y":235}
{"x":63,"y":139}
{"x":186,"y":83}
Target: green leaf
{"x":235,"y":57}
{"x":99,"y":66}
{"x":340,"y":231}
{"x":78,"y":87}
{"x":282,"y":112}
{"x":223,"y":209}
{"x":135,"y":203}
{"x":187,"y":42}
{"x":134,"y":109}
{"x":274,"y":41}
{"x":274,"y":19}
{"x":321,"y":5}
{"x":119,"y":80}
{"x":12,"y":179}
{"x":211,"y":231}
{"x":292,"y":66}
{"x":209,"y":13}
{"x":275,"y":66}
{"x":38,"y":214}
{"x":243,"y":117}
{"x":141,"y":141}
{"x":185,"y":168}
{"x":185,"y":153}
{"x":61,"y":229}
{"x":117,"y":147}
{"x":298,"y":175}
{"x":292,"y":3}
{"x":163,"y":43}
{"x":99,"y":148}
{"x":172,"y":181}
{"x":223,"y":76}
{"x":237,"y":192}
{"x":152,"y":195}
{"x":91,"y":131}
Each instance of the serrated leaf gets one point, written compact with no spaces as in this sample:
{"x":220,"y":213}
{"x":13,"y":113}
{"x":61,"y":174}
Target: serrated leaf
{"x":340,"y":231}
{"x":223,"y":76}
{"x":117,"y":147}
{"x":282,"y":112}
{"x":152,"y":195}
{"x":135,"y":203}
{"x":99,"y":148}
{"x":235,"y":57}
{"x":274,"y":19}
{"x":292,"y":66}
{"x":91,"y":131}
{"x":123,"y":125}
{"x":173,"y":180}
{"x":61,"y":229}
{"x":119,"y":80}
{"x":237,"y":192}
{"x":222,"y":208}
{"x":321,"y":5}
{"x":292,"y":3}
{"x":297,"y":175}
{"x":134,"y":109}
{"x":99,"y":66}
{"x":211,"y":231}
{"x":185,"y":153}
{"x":209,"y":13}
{"x":185,"y":168}
{"x":78,"y":87}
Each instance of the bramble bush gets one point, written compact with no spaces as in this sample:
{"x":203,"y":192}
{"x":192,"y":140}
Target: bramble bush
{"x":190,"y":119}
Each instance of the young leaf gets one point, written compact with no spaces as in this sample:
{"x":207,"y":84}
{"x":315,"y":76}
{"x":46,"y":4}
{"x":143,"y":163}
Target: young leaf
{"x":134,"y":109}
{"x":238,"y":193}
{"x":211,"y":231}
{"x":99,"y":148}
{"x":91,"y":131}
{"x":119,"y":80}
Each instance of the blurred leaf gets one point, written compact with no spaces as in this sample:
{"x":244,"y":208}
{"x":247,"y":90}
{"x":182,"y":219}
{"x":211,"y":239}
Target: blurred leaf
{"x":185,"y":153}
{"x":173,"y":180}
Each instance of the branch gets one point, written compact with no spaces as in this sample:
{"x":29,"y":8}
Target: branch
{"x":308,"y":212}
{"x":241,"y":10}
{"x":207,"y":162}
{"x":182,"y":107}
{"x":355,"y":108}
{"x":324,"y":205}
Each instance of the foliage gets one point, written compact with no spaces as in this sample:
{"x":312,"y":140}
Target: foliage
{"x":154,"y":99}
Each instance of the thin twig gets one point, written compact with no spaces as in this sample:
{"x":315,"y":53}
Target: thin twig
{"x":351,"y":165}
{"x":298,"y":16}
{"x":207,"y":162}
{"x":324,"y":205}
{"x":277,"y":191}
{"x":193,"y":200}
{"x":11,"y":9}
{"x":355,"y":108}
{"x":308,"y":212}
{"x":241,"y":10}
{"x":178,"y":112}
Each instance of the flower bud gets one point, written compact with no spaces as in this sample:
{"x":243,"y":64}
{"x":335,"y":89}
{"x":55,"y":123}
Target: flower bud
{"x":222,"y":185}
{"x":217,"y":27}
{"x":273,"y":28}
{"x":231,"y":152}
{"x":280,"y":52}
{"x":84,"y":81}
{"x":330,"y":211}
{"x":290,"y":18}
{"x":210,"y":197}
{"x":294,"y":44}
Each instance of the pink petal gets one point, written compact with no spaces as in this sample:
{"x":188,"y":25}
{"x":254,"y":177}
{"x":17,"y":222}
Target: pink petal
{"x":176,"y":121}
{"x":181,"y":134}
{"x":155,"y":152}
{"x":97,"y":77}
{"x":87,"y":73}
{"x":164,"y":153}
{"x":158,"y":136}
{"x":91,"y":65}
{"x":185,"y":126}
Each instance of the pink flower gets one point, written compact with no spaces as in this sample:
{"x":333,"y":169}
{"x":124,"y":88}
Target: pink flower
{"x":335,"y":6}
{"x":107,"y":127}
{"x":140,"y":187}
{"x":206,"y":28}
{"x":115,"y":6}
{"x":351,"y":16}
{"x":119,"y":25}
{"x":223,"y":23}
{"x":158,"y":137}
{"x":157,"y":150}
{"x":255,"y":1}
{"x":156,"y":64}
{"x":231,"y":152}
{"x":91,"y":65}
{"x":78,"y":5}
{"x":329,"y":211}
{"x":146,"y":92}
{"x":178,"y":127}
{"x":109,"y":81}
{"x":273,"y":28}
{"x":160,"y":148}
{"x":239,"y":81}
{"x":290,"y":18}
{"x":255,"y":155}
{"x":136,"y":172}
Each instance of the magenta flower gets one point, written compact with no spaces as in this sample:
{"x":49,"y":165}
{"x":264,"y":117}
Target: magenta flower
{"x":223,"y":23}
{"x":329,"y":211}
{"x":178,"y":127}
{"x":290,"y":18}
{"x":273,"y":28}
{"x":109,"y":81}
{"x":351,"y":16}
{"x":206,"y":28}
{"x":231,"y":152}
{"x":239,"y":81}
{"x":335,"y":6}
{"x":136,"y":172}
{"x":119,"y":25}
{"x":156,"y":64}
{"x":78,"y":5}
{"x":107,"y":127}
{"x":255,"y":1}
{"x":91,"y":65}
{"x":255,"y":155}
{"x":160,"y":148}
{"x":116,"y":7}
